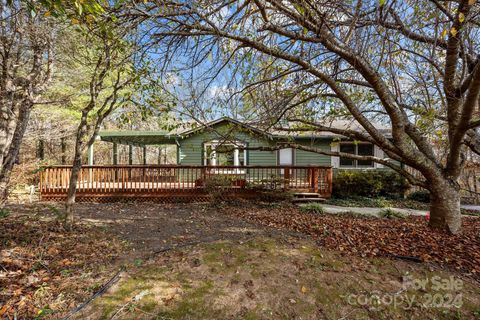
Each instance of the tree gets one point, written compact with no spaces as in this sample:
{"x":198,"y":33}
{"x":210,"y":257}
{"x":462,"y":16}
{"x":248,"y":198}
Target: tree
{"x":107,"y":53}
{"x":28,"y":36}
{"x":415,"y":63}
{"x":26,"y":62}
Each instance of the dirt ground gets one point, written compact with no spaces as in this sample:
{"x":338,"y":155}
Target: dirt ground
{"x":153,"y":228}
{"x":196,"y":261}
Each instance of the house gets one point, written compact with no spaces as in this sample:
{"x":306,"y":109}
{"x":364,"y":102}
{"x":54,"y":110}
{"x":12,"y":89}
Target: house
{"x":247,"y":159}
{"x":229,"y":142}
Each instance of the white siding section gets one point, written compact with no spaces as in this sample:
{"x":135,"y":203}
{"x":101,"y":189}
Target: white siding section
{"x":378,"y":154}
{"x":335,"y":147}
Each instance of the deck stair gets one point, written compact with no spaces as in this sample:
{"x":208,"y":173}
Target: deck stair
{"x":307,"y":197}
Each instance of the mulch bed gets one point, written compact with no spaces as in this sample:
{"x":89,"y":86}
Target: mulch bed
{"x":46,"y":268}
{"x":377,"y":237}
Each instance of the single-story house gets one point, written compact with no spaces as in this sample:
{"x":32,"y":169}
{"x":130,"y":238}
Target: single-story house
{"x":242,"y":157}
{"x":229,"y":142}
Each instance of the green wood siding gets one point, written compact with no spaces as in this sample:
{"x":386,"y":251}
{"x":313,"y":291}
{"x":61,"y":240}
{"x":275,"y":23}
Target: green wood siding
{"x":305,"y":158}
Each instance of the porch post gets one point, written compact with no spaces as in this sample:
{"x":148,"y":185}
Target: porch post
{"x":144,"y":171}
{"x":130,"y":160}
{"x":90,"y":155}
{"x":130,"y":154}
{"x":115,"y":154}
{"x":90,"y":163}
{"x":236,"y":158}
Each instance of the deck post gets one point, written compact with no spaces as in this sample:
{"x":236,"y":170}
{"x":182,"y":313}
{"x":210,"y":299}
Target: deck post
{"x":286,"y":178}
{"x":314,"y":179}
{"x":330,"y":181}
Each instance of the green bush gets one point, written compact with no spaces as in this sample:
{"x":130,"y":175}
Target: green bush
{"x":218,"y":186}
{"x":312,"y":207}
{"x":421,"y":196}
{"x":273,"y":196}
{"x":4,"y":212}
{"x":389,"y":213}
{"x":368,"y":183}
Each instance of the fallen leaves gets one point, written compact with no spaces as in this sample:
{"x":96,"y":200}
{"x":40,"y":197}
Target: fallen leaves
{"x":371,"y":237}
{"x":44,"y":267}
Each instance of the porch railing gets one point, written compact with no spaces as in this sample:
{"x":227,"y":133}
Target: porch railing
{"x":157,"y":179}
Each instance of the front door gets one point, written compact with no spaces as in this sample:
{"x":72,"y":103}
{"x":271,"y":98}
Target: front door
{"x":285,"y":158}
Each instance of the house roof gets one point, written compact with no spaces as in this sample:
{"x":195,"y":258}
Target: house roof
{"x":138,"y":137}
{"x":164,"y":137}
{"x":211,"y":124}
{"x":343,"y":124}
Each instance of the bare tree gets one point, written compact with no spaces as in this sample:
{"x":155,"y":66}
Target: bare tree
{"x":415,"y":63}
{"x":26,"y":62}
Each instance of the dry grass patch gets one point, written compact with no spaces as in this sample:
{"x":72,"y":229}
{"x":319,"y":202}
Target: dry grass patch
{"x":267,"y":278}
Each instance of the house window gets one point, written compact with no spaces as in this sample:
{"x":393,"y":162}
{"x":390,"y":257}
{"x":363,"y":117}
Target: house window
{"x":224,"y":154}
{"x":361,"y":149}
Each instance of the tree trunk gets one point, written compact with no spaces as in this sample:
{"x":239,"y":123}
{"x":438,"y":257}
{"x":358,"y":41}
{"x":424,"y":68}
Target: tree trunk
{"x":72,"y":185}
{"x":445,"y":206}
{"x":8,"y":159}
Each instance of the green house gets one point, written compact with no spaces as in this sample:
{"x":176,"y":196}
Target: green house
{"x":229,"y":142}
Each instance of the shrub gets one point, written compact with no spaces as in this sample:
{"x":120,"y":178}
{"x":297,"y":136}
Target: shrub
{"x":420,"y":196}
{"x":368,"y":183}
{"x":4,"y":212}
{"x":272,"y":183}
{"x":389,"y":213}
{"x":217,"y":186}
{"x":273,"y":196}
{"x":312,"y":207}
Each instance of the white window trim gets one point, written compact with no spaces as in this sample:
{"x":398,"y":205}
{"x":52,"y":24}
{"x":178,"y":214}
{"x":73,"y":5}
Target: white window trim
{"x":335,"y":161}
{"x":294,"y":156}
{"x":236,"y":158}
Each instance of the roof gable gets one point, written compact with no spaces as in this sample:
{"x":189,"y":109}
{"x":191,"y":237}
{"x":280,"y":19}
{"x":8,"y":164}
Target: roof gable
{"x":224,"y":120}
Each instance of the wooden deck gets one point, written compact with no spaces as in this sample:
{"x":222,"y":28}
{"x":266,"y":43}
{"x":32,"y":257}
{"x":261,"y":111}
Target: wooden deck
{"x":181,"y":183}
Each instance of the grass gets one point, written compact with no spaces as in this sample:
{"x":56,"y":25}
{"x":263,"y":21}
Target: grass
{"x":266,"y":278}
{"x":379,"y":202}
{"x":389,"y":213}
{"x":312,"y":207}
{"x":4,"y":213}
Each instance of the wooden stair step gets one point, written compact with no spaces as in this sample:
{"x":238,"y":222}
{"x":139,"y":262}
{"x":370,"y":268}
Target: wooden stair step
{"x":306,"y":194}
{"x":308,"y":199}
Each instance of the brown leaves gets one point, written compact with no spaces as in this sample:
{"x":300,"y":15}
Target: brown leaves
{"x":371,"y":237}
{"x":40,"y":259}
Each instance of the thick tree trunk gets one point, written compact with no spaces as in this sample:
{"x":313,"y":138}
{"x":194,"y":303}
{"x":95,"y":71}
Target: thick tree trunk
{"x":445,"y":206}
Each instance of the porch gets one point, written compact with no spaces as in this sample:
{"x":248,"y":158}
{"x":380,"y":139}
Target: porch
{"x":176,"y":183}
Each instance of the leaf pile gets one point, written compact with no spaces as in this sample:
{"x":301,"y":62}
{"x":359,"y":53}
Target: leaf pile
{"x":46,"y":269}
{"x":370,"y":237}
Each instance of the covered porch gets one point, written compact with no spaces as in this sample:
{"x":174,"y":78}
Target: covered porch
{"x":125,"y":147}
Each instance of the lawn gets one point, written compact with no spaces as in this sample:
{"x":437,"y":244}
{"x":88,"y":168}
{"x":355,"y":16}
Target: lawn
{"x":269,"y":278}
{"x":235,"y":261}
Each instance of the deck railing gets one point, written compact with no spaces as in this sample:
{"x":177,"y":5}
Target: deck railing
{"x":154,"y":180}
